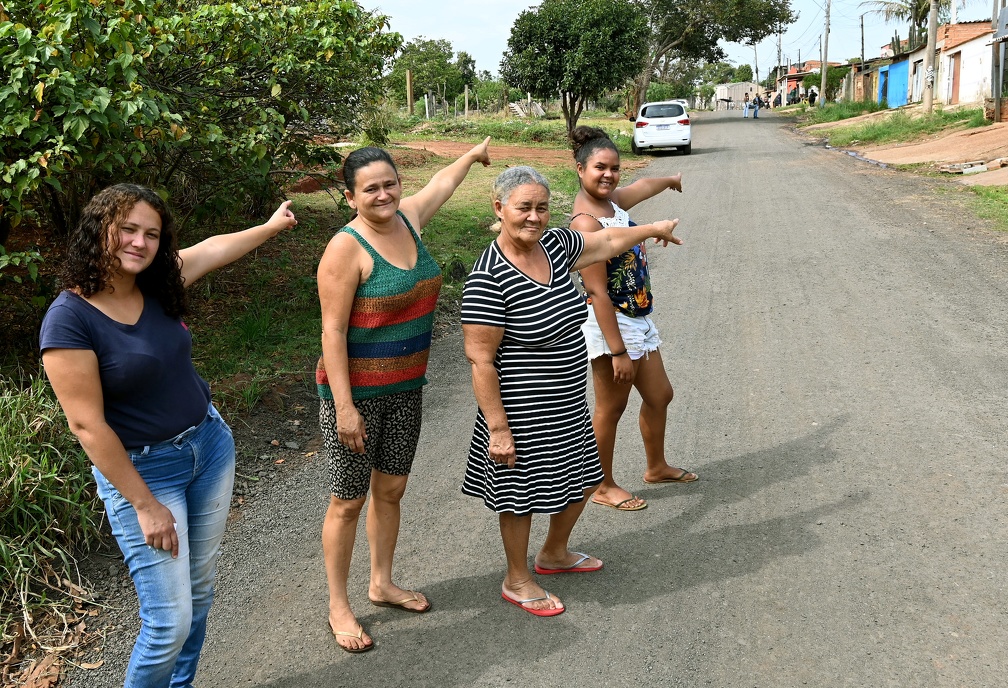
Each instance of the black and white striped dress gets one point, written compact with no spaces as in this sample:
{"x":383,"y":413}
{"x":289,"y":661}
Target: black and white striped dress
{"x":542,"y":372}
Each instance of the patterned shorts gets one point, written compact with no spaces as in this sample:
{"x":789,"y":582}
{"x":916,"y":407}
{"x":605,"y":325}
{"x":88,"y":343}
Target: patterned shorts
{"x":392,"y":423}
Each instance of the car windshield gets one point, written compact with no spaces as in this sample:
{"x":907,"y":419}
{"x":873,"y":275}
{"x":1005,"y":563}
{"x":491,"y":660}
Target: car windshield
{"x":664,"y":110}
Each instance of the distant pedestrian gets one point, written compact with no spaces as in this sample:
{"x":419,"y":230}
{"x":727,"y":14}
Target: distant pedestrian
{"x":811,"y":98}
{"x":745,"y":106}
{"x":756,"y":103}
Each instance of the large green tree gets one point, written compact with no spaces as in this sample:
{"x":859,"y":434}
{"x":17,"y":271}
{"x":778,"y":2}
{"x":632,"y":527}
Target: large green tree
{"x":575,"y":49}
{"x":692,"y":29}
{"x":435,"y":69}
{"x":202,"y":101}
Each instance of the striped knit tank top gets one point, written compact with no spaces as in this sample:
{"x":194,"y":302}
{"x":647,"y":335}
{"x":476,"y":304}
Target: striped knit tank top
{"x":391,"y":320}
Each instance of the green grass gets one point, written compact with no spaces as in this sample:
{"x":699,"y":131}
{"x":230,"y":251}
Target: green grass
{"x":49,"y":514}
{"x":258,"y":320}
{"x":834,"y":112}
{"x":529,"y":131}
{"x":991,"y":203}
{"x":902,"y":127}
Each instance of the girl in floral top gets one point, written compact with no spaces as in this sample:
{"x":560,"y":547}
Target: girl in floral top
{"x":623,"y":342}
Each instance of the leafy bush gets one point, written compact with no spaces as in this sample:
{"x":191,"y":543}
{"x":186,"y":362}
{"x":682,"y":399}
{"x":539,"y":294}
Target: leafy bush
{"x":49,"y":512}
{"x":199,"y":100}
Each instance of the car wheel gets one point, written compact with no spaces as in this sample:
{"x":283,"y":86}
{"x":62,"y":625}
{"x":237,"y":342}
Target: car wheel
{"x":687,"y":148}
{"x":634,"y":147}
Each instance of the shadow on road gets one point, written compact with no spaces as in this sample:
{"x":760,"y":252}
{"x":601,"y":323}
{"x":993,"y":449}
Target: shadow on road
{"x":469,"y":634}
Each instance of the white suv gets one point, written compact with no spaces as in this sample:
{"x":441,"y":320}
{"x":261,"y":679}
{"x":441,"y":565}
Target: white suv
{"x":664,"y":124}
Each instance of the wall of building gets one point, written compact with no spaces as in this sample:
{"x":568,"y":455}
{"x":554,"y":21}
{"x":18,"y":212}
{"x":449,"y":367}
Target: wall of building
{"x":974,"y":72}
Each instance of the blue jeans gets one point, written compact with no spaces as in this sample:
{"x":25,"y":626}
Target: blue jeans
{"x":192,"y":475}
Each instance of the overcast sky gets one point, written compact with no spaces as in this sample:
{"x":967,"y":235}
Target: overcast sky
{"x":482,"y":27}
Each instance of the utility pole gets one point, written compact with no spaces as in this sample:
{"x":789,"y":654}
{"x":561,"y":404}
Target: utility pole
{"x":997,"y":68}
{"x":824,"y":67}
{"x":777,"y":73}
{"x":862,"y":42}
{"x":929,"y":53}
{"x":409,"y":91}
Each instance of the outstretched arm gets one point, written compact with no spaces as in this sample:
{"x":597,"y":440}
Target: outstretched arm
{"x":628,"y":196}
{"x":221,"y":249}
{"x":421,"y":206}
{"x":613,"y":241}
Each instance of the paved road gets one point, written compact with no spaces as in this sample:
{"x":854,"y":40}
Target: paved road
{"x":836,"y":336}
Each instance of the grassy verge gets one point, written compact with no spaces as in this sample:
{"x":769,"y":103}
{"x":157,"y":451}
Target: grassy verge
{"x":834,"y":112}
{"x":900,"y":126}
{"x":48,"y":514}
{"x":550,"y":133}
{"x":258,"y":319}
{"x":991,"y":203}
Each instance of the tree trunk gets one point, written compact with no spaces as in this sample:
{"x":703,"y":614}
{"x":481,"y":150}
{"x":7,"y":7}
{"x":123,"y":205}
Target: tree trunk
{"x":572,"y":107}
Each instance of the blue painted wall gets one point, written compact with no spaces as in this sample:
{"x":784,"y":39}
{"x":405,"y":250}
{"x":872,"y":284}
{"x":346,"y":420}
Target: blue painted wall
{"x":899,"y":81}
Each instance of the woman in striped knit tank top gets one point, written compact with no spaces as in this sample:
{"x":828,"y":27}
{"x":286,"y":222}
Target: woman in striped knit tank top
{"x":378,"y":287}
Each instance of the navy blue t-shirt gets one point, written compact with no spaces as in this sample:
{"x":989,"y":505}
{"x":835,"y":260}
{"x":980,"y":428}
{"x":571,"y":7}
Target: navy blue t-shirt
{"x":151,"y":389}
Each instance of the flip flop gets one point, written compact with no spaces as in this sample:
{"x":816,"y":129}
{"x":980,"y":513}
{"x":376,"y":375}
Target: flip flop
{"x":401,"y":604}
{"x":681,"y":479}
{"x":573,"y":568}
{"x":359,"y":635}
{"x":621,"y":505}
{"x":537,"y":612}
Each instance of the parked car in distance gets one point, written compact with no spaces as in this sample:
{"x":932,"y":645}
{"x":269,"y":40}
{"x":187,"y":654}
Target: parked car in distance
{"x":664,"y":124}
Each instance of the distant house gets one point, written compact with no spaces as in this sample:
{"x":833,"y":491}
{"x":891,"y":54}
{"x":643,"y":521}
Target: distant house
{"x":791,"y":82}
{"x":965,"y":65}
{"x":732,"y":95}
{"x":962,"y":69}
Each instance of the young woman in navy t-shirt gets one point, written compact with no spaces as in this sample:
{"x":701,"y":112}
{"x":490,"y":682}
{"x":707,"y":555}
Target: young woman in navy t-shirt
{"x":119,"y":358}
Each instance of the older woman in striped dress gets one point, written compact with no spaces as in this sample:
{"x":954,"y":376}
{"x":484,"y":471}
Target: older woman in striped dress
{"x":533,"y":449}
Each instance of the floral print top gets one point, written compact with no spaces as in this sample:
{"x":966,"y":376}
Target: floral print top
{"x":627,"y":278}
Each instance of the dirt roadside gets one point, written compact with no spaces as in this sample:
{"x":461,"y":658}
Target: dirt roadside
{"x":983,"y":144}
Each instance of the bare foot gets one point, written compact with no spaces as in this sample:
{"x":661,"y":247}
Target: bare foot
{"x":618,"y":498}
{"x":349,"y":634}
{"x":531,"y":597}
{"x":394,"y":596}
{"x":669,"y":474}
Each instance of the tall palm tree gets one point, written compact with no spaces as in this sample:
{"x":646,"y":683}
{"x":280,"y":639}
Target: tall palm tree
{"x":915,"y":12}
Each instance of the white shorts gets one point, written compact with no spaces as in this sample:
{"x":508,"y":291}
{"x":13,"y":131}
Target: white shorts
{"x":640,"y":336}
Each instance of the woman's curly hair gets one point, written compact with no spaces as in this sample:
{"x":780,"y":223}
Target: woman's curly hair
{"x":91,"y":263}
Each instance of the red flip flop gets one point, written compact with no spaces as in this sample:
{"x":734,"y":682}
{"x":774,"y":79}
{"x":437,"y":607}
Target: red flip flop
{"x":573,"y":568}
{"x":537,"y":612}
